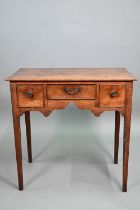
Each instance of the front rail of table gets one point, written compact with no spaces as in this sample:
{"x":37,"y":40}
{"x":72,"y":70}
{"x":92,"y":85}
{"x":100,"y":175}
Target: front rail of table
{"x":53,"y":89}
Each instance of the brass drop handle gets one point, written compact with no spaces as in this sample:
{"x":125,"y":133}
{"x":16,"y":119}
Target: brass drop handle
{"x":29,"y":94}
{"x":113,"y":93}
{"x":71,"y":91}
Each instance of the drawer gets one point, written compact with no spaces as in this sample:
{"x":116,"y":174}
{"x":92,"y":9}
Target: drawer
{"x":30,"y":95}
{"x":112,"y":95}
{"x":71,"y":91}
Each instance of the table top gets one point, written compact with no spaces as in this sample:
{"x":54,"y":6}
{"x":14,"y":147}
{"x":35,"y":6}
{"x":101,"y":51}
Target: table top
{"x":71,"y":74}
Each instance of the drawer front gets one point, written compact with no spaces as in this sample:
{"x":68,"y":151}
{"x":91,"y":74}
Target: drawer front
{"x":30,"y":95}
{"x":112,"y":95}
{"x":71,"y":91}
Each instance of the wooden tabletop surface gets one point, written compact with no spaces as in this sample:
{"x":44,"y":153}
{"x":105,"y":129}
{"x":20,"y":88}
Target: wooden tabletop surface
{"x":71,"y":74}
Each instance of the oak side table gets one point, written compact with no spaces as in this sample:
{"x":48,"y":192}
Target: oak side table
{"x":98,"y":90}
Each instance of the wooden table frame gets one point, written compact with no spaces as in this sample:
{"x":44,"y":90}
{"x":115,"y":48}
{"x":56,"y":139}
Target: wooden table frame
{"x":120,"y":102}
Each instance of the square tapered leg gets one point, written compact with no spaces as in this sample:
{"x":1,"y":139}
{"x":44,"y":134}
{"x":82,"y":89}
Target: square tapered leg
{"x":28,"y":134}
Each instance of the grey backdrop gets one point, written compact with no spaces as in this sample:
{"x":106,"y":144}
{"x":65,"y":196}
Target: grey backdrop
{"x":73,"y":151}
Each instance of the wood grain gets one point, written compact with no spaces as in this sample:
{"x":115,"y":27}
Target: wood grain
{"x":17,"y":135}
{"x":106,"y":100}
{"x":127,"y":127}
{"x":28,"y":135}
{"x":37,"y":99}
{"x":117,"y":131}
{"x":97,"y":90}
{"x":72,"y":74}
{"x":59,"y":91}
{"x":62,"y":104}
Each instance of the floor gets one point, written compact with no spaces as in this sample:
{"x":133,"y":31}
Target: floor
{"x":72,"y":165}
